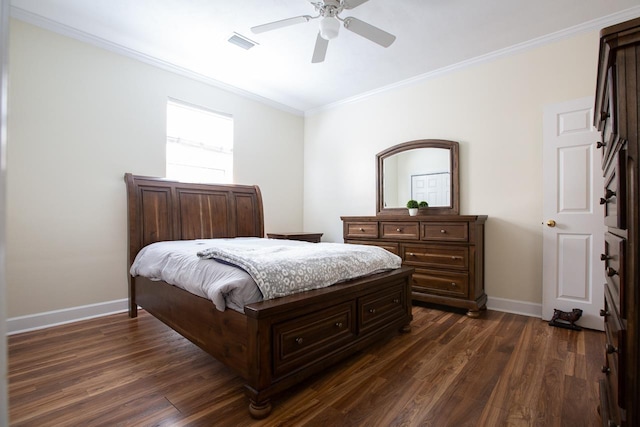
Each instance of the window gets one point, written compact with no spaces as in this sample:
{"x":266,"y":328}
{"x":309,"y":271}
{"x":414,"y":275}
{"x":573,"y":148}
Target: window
{"x":199,"y":144}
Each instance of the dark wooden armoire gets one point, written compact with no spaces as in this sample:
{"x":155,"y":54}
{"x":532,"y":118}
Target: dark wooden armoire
{"x":617,"y":115}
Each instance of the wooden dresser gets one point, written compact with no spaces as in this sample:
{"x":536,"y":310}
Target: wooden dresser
{"x":447,"y":252}
{"x":617,"y":112}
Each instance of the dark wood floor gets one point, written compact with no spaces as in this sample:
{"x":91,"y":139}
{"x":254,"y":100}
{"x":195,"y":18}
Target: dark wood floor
{"x":499,"y":370}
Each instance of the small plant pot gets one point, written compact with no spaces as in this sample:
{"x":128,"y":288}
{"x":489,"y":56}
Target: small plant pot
{"x":413,"y":211}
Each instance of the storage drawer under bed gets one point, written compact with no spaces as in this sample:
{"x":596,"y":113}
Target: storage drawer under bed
{"x":303,"y":340}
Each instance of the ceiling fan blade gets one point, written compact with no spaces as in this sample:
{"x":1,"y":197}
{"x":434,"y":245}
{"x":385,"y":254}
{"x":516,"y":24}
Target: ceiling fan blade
{"x":368,"y":31}
{"x":350,"y":4}
{"x":320,"y":51}
{"x":280,"y":24}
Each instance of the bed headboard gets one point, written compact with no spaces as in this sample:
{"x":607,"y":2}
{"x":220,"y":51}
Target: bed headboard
{"x":159,"y":210}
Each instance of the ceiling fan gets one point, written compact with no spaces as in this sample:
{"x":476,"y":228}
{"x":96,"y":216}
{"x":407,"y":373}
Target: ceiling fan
{"x":329,"y":10}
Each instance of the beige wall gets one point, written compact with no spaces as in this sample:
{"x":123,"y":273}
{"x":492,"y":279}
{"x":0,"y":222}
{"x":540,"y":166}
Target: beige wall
{"x":79,"y":118}
{"x":494,"y":110}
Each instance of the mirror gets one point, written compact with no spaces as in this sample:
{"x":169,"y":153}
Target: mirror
{"x":423,"y":170}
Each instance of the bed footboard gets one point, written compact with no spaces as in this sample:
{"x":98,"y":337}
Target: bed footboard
{"x":294,"y":337}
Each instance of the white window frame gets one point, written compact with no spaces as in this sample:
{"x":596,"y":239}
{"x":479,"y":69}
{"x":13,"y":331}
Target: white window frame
{"x":199,"y":151}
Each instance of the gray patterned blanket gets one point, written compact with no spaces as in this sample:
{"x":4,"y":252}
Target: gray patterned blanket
{"x":285,"y":270}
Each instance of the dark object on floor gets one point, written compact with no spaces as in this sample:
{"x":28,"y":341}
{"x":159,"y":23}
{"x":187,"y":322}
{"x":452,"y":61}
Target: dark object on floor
{"x":566,"y":319}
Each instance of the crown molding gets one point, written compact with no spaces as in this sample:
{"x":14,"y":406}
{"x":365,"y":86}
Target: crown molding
{"x":593,"y":25}
{"x":65,"y":30}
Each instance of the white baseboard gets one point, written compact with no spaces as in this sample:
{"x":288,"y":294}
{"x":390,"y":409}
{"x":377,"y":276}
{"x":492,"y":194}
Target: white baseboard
{"x":16,"y":325}
{"x":513,"y":306}
{"x":33,"y":322}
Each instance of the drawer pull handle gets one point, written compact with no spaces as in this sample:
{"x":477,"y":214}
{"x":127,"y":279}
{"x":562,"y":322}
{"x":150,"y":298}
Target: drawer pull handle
{"x":299,"y":340}
{"x":611,"y":272}
{"x":396,"y":300}
{"x":399,"y":230}
{"x":338,"y":324}
{"x":604,"y":313}
{"x":600,"y":144}
{"x":604,"y":257}
{"x":372,"y":310}
{"x":605,"y":370}
{"x":411,"y":254}
{"x":361,"y":229}
{"x":610,"y":349}
{"x":456,"y":257}
{"x":443,"y":231}
{"x":453,"y":284}
{"x":607,"y":197}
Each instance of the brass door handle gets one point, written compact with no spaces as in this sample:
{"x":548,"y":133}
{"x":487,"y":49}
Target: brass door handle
{"x":551,"y":223}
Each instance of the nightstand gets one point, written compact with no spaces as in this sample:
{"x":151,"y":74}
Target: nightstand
{"x":305,"y":237}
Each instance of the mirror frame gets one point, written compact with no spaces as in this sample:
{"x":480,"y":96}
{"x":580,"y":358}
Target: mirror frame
{"x":452,"y":209}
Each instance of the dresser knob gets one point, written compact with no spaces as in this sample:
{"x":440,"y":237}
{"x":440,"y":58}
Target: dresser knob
{"x":338,"y":324}
{"x":361,"y":229}
{"x":443,"y":231}
{"x":610,"y":349}
{"x":411,"y":254}
{"x":299,"y":340}
{"x":396,"y":300}
{"x":372,"y":310}
{"x":611,"y":272}
{"x":399,"y":230}
{"x":605,"y":370}
{"x":453,"y":284}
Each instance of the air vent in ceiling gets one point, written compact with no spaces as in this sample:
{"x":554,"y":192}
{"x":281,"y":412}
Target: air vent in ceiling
{"x":242,"y":41}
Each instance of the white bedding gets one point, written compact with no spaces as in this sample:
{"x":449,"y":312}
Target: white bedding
{"x":281,"y":270}
{"x":177,"y":263}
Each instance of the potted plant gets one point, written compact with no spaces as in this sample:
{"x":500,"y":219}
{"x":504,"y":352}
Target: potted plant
{"x":423,"y":205}
{"x":412,"y":205}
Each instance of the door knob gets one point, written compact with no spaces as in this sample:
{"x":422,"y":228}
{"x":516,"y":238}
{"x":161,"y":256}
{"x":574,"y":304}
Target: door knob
{"x":551,"y":223}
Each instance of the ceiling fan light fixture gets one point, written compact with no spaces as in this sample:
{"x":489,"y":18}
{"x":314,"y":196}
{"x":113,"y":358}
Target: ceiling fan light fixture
{"x":329,"y":27}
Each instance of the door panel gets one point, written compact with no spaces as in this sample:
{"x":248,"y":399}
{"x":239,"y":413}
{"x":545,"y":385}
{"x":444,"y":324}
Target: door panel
{"x":573,"y":228}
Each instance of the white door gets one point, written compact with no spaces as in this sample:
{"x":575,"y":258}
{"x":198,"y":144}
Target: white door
{"x":573,"y":222}
{"x":433,"y":188}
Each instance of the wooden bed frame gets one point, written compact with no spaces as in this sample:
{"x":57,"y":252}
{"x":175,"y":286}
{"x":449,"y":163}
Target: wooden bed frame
{"x":276,"y":343}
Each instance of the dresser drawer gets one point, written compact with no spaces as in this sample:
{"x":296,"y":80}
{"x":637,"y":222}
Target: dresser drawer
{"x":390,"y":246}
{"x":400,"y":230}
{"x":378,"y":308}
{"x":441,"y":283}
{"x":361,"y":229}
{"x":447,"y":231}
{"x":614,"y":195}
{"x":304,"y":339}
{"x":612,"y":323}
{"x":614,"y":264}
{"x":438,"y":256}
{"x":615,"y":345}
{"x":608,"y":125}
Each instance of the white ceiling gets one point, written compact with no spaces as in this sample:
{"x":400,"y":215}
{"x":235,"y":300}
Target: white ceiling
{"x":432,"y":35}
